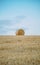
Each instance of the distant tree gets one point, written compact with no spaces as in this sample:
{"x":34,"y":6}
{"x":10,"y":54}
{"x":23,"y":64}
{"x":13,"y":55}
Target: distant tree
{"x":20,"y":32}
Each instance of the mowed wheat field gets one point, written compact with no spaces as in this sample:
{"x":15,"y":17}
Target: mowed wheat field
{"x":19,"y":50}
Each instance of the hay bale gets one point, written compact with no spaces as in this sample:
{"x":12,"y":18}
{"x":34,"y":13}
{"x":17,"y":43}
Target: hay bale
{"x":20,"y":32}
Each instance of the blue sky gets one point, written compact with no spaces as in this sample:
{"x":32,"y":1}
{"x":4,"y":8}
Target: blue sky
{"x":16,"y":14}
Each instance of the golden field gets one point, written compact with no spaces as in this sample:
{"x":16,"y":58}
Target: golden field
{"x":19,"y":50}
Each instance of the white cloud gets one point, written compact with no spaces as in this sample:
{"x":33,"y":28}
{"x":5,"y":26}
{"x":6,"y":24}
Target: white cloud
{"x":23,"y":23}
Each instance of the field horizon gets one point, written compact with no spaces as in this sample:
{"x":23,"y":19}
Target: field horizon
{"x":20,"y":50}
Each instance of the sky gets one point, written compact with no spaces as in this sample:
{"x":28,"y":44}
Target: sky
{"x":16,"y":14}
